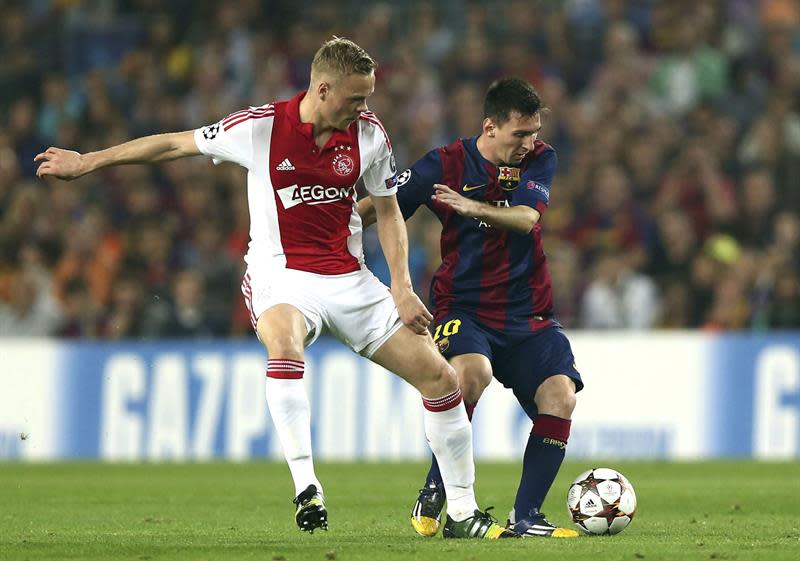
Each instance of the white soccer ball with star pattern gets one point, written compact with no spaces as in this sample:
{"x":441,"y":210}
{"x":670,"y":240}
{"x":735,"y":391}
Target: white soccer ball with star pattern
{"x":601,"y":501}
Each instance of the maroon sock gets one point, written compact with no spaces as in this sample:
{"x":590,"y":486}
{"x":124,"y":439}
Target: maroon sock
{"x":543,"y":456}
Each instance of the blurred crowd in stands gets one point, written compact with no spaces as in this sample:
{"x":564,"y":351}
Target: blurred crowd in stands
{"x":677,"y":125}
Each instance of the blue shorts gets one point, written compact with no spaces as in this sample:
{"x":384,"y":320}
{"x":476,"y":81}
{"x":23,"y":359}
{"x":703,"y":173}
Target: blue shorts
{"x":520,"y":362}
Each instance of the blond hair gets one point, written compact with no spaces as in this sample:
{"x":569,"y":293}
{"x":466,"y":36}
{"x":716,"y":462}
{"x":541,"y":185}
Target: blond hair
{"x":341,"y":57}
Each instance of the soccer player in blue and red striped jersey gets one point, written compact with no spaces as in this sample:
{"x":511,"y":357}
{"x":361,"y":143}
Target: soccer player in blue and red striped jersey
{"x":492,"y":295}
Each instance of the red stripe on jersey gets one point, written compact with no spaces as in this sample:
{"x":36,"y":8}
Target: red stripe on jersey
{"x":540,"y":146}
{"x":247,"y":290}
{"x":495,"y":274}
{"x":444,"y":280}
{"x":235,"y":115}
{"x":247,"y":118}
{"x":452,"y":158}
{"x":540,"y":283}
{"x":371,"y":117}
{"x":495,"y":263}
{"x":242,"y":112}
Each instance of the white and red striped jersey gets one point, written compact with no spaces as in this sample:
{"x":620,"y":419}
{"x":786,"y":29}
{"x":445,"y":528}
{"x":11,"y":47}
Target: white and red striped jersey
{"x":302,"y":198}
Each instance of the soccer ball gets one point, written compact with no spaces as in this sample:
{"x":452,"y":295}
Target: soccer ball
{"x":601,"y":501}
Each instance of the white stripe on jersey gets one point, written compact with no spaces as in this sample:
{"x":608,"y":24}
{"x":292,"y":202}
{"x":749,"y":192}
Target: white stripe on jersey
{"x":265,"y":248}
{"x":373,"y":118}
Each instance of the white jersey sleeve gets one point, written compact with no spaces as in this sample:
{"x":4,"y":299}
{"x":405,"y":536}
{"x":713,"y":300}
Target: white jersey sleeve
{"x":231,"y":139}
{"x":380,"y":172}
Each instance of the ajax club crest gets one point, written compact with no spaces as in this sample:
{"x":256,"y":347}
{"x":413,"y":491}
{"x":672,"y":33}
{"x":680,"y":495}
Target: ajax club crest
{"x":343,"y":164}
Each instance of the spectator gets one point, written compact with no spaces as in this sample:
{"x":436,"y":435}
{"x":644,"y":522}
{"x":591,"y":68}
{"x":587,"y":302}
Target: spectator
{"x":754,"y":227}
{"x":619,"y":297}
{"x":32,"y":310}
{"x":694,"y":70}
{"x":186,"y":314}
{"x":675,"y":126}
{"x":697,"y":185}
{"x":784,"y":308}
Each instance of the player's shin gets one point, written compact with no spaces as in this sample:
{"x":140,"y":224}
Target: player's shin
{"x":291,"y":415}
{"x":543,"y":457}
{"x":434,"y":477}
{"x":449,"y":434}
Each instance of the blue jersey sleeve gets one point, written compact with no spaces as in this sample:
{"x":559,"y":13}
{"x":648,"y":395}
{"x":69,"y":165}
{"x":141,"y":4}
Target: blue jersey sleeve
{"x":535,"y":182}
{"x":415,"y":185}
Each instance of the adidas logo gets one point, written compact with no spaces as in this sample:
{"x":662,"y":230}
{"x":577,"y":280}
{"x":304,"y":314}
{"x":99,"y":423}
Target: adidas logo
{"x":285,"y":165}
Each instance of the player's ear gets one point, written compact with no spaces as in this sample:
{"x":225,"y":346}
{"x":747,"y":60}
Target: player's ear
{"x":323,"y":88}
{"x":489,"y":127}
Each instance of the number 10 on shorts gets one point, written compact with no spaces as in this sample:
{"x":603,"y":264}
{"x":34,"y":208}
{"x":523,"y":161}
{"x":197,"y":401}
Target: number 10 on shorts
{"x":447,"y":329}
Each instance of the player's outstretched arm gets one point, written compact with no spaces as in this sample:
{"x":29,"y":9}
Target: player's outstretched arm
{"x":68,"y":165}
{"x":366,"y":210}
{"x":520,"y":219}
{"x":394,"y":242}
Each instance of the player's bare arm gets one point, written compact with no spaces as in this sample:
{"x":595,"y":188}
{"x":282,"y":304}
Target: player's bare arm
{"x":520,"y":219}
{"x":68,"y":164}
{"x":394,"y":242}
{"x":366,"y":210}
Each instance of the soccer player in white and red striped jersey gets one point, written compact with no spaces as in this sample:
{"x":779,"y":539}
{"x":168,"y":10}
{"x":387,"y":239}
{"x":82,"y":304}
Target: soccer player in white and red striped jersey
{"x":305,"y":267}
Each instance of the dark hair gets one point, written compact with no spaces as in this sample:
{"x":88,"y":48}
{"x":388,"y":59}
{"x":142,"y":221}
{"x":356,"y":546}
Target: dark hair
{"x":507,"y":95}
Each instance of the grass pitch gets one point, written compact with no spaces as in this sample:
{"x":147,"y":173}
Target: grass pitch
{"x":719,"y":510}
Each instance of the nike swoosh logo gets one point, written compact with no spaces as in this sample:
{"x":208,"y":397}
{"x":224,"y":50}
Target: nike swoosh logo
{"x":466,"y":187}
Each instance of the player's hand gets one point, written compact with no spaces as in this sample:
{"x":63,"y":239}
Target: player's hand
{"x":412,"y":311}
{"x":462,"y":205}
{"x":63,"y":164}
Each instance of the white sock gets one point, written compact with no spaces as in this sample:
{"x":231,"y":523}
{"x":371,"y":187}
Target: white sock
{"x":449,"y":434}
{"x":291,"y":415}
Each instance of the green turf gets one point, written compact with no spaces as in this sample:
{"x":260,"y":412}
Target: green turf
{"x":721,"y":510}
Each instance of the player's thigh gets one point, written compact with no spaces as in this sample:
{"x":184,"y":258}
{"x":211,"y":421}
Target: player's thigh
{"x":282,"y":329}
{"x":284,"y":311}
{"x":465,"y":343}
{"x":361,"y":312}
{"x":457,"y":334}
{"x":414,"y":358}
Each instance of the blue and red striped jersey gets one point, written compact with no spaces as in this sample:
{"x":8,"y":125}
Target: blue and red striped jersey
{"x":500,"y":277}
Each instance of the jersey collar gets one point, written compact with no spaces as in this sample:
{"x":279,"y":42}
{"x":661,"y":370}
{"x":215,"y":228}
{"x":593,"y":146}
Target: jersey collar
{"x":307,"y":129}
{"x":471,"y":144}
{"x":293,"y":114}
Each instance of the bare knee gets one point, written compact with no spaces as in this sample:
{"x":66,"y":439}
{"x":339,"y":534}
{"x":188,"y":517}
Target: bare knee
{"x":284,"y":346}
{"x":440,"y":379}
{"x":282,"y":330}
{"x":473,"y":382}
{"x":556,"y":396}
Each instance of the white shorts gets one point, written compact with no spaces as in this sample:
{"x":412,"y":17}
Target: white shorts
{"x":356,"y":308}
